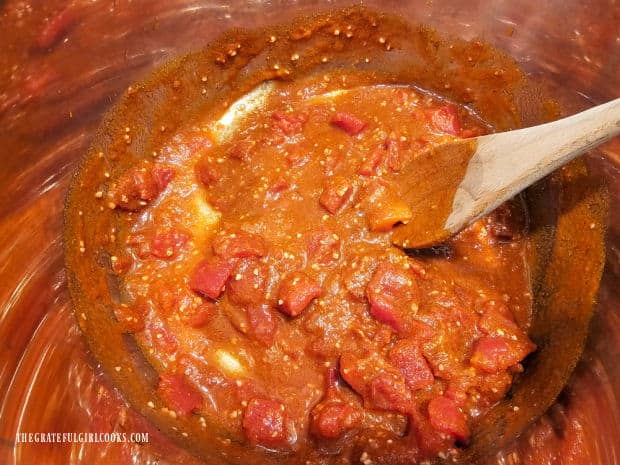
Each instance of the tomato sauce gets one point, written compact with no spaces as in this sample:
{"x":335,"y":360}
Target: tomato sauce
{"x":260,"y":281}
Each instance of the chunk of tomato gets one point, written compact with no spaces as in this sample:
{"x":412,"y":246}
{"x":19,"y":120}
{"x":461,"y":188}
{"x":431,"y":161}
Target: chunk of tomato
{"x":349,"y":123}
{"x":445,"y":416}
{"x":408,"y":358}
{"x":210,"y":276}
{"x":248,"y":283}
{"x":391,"y":292}
{"x":264,"y":423}
{"x":240,"y":244}
{"x":296,"y":292}
{"x":335,"y":194}
{"x":262,"y":324}
{"x":496,"y":353}
{"x":178,"y":394}
{"x":167,"y":243}
{"x":333,"y":418}
{"x":444,"y":120}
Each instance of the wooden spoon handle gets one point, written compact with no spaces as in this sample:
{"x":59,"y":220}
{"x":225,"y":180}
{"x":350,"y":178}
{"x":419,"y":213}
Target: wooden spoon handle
{"x":506,"y":163}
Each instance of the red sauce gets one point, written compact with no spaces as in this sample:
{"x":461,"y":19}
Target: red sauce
{"x":327,"y":340}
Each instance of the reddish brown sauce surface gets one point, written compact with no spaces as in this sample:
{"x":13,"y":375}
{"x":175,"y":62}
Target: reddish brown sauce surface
{"x":252,"y":264}
{"x":290,"y":319}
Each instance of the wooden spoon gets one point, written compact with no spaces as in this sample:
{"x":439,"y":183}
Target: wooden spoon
{"x":465,"y":179}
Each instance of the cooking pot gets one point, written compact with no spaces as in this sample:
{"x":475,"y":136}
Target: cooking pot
{"x":66,"y":77}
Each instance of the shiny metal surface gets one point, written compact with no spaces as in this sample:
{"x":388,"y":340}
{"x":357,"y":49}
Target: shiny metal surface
{"x":59,"y":76}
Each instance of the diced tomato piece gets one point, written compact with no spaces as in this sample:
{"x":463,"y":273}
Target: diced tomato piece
{"x":388,"y":391}
{"x":262,"y":324}
{"x":131,"y":318}
{"x":383,"y":207}
{"x":444,"y":119}
{"x":207,"y":172}
{"x":392,"y":292}
{"x":408,"y":358}
{"x":429,"y":441}
{"x":323,"y":246}
{"x":335,"y":194}
{"x":359,"y":372}
{"x":210,"y":276}
{"x":168,"y":242}
{"x":388,"y":315}
{"x":264,"y":423}
{"x":199,"y":316}
{"x":348,"y":123}
{"x":240,"y":245}
{"x":140,"y":185}
{"x":331,"y":419}
{"x":288,"y":123}
{"x":497,"y":353}
{"x":446,"y":417}
{"x":371,"y":162}
{"x":296,"y":292}
{"x":178,"y":394}
{"x":242,"y":150}
{"x":355,"y":372}
{"x":248,"y":283}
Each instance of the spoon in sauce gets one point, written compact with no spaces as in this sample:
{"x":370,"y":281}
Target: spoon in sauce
{"x":465,"y":179}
